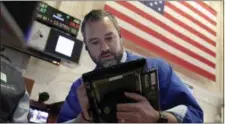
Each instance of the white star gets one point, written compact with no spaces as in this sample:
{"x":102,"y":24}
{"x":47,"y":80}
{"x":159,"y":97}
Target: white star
{"x":160,"y":1}
{"x":159,"y":9}
{"x":156,"y":2}
{"x":150,"y":4}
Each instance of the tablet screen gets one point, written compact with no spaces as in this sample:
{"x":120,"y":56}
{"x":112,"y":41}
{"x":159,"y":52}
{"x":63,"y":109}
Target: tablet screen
{"x":38,"y":116}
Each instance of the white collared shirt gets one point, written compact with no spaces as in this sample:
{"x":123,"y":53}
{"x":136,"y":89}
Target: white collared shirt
{"x":124,"y":57}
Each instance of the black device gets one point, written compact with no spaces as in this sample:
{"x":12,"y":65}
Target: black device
{"x":37,"y":115}
{"x":61,"y":45}
{"x":57,"y":19}
{"x":105,"y":88}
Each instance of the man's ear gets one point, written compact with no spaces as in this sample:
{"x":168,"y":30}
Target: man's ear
{"x":121,"y":38}
{"x":85,"y":46}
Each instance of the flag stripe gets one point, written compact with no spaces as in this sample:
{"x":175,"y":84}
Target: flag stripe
{"x":135,"y":20}
{"x":151,"y":24}
{"x":203,"y":10}
{"x":198,"y":12}
{"x":168,"y":15}
{"x":158,"y":43}
{"x":166,"y":27}
{"x":171,"y":24}
{"x":208,"y":8}
{"x":206,"y":2}
{"x":141,"y":42}
{"x":190,"y":18}
{"x":191,"y":13}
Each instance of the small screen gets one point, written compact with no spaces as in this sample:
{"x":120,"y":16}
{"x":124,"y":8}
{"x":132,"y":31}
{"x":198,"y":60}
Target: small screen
{"x":37,"y":116}
{"x":64,"y":46}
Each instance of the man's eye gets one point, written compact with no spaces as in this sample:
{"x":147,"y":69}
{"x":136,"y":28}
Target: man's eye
{"x":109,"y":38}
{"x":94,"y":42}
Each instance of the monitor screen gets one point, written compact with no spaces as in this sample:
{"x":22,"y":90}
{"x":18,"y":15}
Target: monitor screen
{"x":64,"y":46}
{"x":38,"y":116}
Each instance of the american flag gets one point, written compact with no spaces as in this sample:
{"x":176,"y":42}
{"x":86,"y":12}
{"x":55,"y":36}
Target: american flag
{"x":183,"y":32}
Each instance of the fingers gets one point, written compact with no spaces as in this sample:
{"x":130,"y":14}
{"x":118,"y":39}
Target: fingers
{"x":135,"y":96}
{"x":127,"y":107}
{"x":82,"y":97}
{"x":127,"y":117}
{"x":86,"y":115}
{"x":83,"y":100}
{"x":121,"y":121}
{"x":82,"y":119}
{"x":81,"y":90}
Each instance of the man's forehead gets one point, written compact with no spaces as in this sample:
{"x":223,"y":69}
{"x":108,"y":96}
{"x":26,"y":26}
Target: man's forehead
{"x":101,"y":23}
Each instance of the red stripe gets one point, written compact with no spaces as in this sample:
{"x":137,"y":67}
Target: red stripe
{"x":171,"y":6}
{"x":158,"y":35}
{"x":207,"y":7}
{"x":166,"y":27}
{"x":185,"y":26}
{"x":198,"y":12}
{"x":163,"y":53}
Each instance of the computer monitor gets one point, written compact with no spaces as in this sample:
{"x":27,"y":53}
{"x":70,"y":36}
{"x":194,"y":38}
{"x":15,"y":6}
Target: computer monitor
{"x":64,"y":46}
{"x":37,"y":115}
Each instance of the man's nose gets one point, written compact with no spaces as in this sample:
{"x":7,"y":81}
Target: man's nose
{"x":104,"y":46}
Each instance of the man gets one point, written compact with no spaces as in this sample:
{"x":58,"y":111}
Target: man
{"x":105,"y":46}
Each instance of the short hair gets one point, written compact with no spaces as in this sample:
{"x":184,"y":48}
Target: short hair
{"x":96,"y":15}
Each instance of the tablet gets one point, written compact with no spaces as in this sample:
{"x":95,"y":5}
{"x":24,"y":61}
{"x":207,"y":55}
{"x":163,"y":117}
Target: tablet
{"x":38,"y":116}
{"x":105,"y":88}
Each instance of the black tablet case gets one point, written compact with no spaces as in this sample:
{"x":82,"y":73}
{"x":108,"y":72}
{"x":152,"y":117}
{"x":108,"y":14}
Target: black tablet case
{"x":105,"y":88}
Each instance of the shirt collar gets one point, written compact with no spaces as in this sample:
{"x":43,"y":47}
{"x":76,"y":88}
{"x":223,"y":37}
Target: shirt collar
{"x":124,"y":57}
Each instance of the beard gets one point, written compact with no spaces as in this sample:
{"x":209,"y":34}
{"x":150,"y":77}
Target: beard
{"x":107,"y":62}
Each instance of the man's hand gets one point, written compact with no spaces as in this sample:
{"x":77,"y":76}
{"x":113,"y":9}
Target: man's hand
{"x":140,"y":112}
{"x":80,"y":119}
{"x":83,"y":100}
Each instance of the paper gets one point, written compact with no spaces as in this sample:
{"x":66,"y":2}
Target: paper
{"x":3,"y":77}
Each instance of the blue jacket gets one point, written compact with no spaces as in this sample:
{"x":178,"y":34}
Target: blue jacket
{"x":172,"y":93}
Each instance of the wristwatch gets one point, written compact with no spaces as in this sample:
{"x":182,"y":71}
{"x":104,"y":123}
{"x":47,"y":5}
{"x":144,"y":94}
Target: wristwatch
{"x":162,"y":118}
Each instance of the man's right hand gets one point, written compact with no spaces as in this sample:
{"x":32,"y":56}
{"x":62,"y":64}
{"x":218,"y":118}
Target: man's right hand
{"x":83,"y":100}
{"x":80,"y":119}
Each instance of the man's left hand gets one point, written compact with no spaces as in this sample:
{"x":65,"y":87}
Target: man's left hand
{"x":140,"y":112}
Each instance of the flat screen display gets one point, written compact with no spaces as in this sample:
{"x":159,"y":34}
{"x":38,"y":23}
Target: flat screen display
{"x":64,"y":46}
{"x":58,"y":19}
{"x":38,"y":116}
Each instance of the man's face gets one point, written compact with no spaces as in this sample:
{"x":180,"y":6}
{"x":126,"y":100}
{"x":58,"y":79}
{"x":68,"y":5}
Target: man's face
{"x":103,"y":42}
